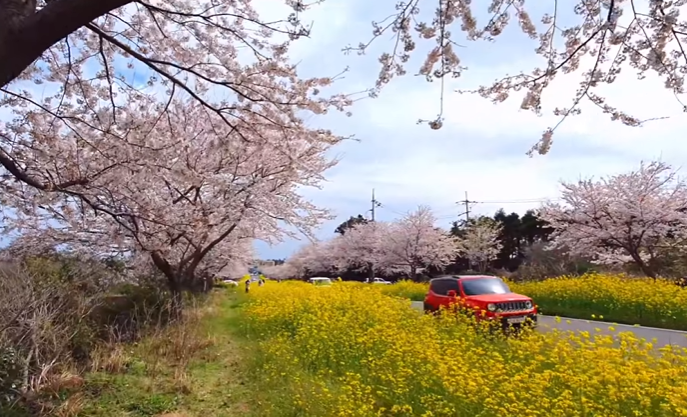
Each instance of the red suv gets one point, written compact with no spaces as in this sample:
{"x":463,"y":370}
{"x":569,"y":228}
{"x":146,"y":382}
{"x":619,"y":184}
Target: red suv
{"x":488,"y":296}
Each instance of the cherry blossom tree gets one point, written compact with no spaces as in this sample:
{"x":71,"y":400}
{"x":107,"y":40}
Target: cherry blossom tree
{"x":217,"y":55}
{"x":480,"y":243}
{"x":232,"y":259}
{"x":623,"y":218}
{"x":363,"y":248}
{"x":414,"y":242}
{"x":309,"y":259}
{"x":281,"y":271}
{"x":174,"y":189}
{"x":190,"y":46}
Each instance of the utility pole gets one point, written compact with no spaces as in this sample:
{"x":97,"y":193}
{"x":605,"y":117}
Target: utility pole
{"x":375,"y":204}
{"x":467,"y":216}
{"x":467,"y":207}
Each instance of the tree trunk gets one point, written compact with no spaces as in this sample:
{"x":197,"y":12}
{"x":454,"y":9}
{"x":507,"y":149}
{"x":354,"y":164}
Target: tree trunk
{"x":413,"y":273}
{"x":646,"y":269}
{"x":25,"y":42}
{"x":174,"y":284}
{"x":482,"y":266}
{"x":177,"y":305}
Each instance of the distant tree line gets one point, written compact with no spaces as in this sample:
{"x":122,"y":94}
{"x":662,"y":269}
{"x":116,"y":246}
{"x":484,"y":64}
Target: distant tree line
{"x":520,"y":236}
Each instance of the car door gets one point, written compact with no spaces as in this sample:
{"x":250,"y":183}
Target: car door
{"x":441,"y":289}
{"x":453,"y":294}
{"x":434,"y":294}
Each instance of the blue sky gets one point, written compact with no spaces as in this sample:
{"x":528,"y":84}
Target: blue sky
{"x":481,"y":148}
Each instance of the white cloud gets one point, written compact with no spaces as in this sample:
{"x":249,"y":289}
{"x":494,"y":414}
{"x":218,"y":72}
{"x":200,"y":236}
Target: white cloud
{"x":481,"y":148}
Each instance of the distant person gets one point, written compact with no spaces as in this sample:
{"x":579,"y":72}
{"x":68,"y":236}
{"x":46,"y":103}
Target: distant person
{"x":247,"y":286}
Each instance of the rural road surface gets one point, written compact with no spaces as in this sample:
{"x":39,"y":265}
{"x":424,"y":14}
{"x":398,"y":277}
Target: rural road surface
{"x":663,"y":337}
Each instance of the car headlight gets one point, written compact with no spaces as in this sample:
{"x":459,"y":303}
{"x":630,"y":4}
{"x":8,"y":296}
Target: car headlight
{"x":491,"y":307}
{"x":528,"y":305}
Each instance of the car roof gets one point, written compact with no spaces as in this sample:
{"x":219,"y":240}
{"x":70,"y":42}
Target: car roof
{"x":319,"y":278}
{"x":462,"y":277}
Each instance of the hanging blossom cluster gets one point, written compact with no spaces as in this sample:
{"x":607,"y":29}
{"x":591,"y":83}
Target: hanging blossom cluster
{"x":404,"y":246}
{"x":634,"y":217}
{"x":225,"y":57}
{"x":595,"y":39}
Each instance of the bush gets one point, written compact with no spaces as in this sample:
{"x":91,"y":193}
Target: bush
{"x":54,"y":312}
{"x":414,"y":291}
{"x":541,"y":263}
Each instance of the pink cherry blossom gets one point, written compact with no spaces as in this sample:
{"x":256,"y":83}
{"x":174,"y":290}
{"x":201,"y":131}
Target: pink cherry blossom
{"x":480,"y":243}
{"x":205,"y":149}
{"x":363,"y":248}
{"x":197,"y":47}
{"x":623,"y":218}
{"x":414,"y":241}
{"x":398,"y":247}
{"x":179,"y":189}
{"x":310,"y":259}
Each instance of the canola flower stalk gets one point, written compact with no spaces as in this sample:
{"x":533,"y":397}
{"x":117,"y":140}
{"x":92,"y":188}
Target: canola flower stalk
{"x":350,"y":350}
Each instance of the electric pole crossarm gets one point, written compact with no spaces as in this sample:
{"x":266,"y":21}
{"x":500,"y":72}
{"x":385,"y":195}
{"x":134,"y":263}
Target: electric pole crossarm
{"x":375,"y":204}
{"x":467,"y":203}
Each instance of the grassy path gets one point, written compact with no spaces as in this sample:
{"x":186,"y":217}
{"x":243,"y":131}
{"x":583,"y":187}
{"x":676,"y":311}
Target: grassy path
{"x":190,"y":370}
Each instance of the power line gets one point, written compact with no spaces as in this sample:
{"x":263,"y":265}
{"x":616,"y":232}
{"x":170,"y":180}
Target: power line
{"x":521,"y":201}
{"x":467,"y":203}
{"x":400,"y":213}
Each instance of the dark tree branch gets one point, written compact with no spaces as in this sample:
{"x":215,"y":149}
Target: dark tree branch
{"x":20,"y":48}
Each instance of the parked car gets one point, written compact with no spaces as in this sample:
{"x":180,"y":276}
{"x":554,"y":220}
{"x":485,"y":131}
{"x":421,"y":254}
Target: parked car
{"x":230,"y":281}
{"x":320,"y":281}
{"x":380,"y":281}
{"x":487,"y":296}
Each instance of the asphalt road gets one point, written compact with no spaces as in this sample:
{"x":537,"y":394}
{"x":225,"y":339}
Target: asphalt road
{"x":663,"y":337}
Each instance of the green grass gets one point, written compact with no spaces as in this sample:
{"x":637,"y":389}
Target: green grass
{"x":191,"y":370}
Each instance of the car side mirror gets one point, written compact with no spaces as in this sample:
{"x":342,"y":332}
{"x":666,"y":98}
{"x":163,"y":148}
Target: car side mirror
{"x":452,"y":293}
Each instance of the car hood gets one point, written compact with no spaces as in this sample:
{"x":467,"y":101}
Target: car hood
{"x":498,"y":298}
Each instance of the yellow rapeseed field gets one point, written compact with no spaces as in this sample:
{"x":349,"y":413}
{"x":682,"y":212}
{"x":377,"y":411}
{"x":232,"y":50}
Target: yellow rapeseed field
{"x":349,"y":350}
{"x":615,"y":297}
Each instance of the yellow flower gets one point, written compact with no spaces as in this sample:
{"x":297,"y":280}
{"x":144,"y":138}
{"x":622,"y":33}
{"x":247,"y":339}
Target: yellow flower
{"x":361,"y":350}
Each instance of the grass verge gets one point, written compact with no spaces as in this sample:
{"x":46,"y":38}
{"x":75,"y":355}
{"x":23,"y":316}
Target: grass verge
{"x":191,"y":369}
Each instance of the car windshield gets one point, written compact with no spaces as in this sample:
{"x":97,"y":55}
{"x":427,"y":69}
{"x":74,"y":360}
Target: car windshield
{"x":485,"y":286}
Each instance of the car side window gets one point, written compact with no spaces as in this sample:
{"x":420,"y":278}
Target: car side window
{"x":442,"y":287}
{"x":452,"y":284}
{"x":439,"y":287}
